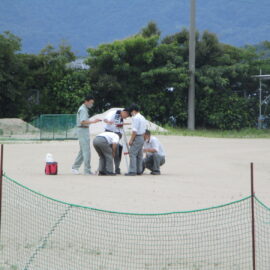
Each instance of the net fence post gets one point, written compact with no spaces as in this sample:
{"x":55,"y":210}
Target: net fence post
{"x":1,"y":181}
{"x":66,"y":125}
{"x":253,"y":217}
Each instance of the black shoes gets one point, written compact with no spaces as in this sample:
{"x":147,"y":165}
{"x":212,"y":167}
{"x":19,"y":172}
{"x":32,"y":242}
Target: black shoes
{"x":117,"y":171}
{"x":130,"y":174}
{"x":126,"y":174}
{"x":106,"y":174}
{"x":155,"y":172}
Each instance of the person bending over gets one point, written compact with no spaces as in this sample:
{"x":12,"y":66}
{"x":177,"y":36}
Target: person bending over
{"x":114,"y":122}
{"x":106,"y":145}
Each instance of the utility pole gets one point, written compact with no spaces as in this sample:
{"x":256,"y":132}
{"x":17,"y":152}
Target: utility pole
{"x":192,"y":46}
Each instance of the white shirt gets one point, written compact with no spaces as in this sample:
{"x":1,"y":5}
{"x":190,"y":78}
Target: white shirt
{"x":113,"y":117}
{"x":110,"y":137}
{"x":138,"y":124}
{"x":155,"y":144}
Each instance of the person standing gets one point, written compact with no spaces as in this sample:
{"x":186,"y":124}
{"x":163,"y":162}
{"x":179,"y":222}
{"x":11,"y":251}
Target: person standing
{"x":155,"y":156}
{"x":83,"y":123}
{"x":114,"y":122}
{"x":106,"y":146}
{"x":136,"y":141}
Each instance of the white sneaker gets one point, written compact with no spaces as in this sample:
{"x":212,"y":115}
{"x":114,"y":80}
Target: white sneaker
{"x":74,"y":171}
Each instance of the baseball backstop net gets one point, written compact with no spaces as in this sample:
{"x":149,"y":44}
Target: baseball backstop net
{"x":40,"y":233}
{"x":57,"y":126}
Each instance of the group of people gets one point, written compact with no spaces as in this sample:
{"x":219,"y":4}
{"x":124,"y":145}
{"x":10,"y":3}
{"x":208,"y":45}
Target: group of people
{"x":107,"y":144}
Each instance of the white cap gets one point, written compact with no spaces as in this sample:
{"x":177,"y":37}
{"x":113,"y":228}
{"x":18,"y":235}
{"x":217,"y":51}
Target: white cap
{"x":49,"y":158}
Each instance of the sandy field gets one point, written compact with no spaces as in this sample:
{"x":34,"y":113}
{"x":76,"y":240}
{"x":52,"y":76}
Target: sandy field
{"x":199,"y":173}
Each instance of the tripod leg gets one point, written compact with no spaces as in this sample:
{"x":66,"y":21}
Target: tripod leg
{"x":126,"y":149}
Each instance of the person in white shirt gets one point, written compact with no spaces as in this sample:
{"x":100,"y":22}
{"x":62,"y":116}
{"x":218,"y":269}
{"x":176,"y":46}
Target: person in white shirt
{"x":106,"y":144}
{"x":114,"y":122}
{"x":136,"y":142}
{"x":155,"y":156}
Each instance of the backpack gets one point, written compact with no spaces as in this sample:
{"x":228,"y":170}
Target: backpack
{"x":51,"y":168}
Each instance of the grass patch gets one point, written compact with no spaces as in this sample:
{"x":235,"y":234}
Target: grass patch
{"x":250,"y":133}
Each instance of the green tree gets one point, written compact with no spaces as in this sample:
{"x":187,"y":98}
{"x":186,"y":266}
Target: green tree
{"x":223,"y":98}
{"x":10,"y":68}
{"x":52,"y":71}
{"x":70,"y":91}
{"x":164,"y":85}
{"x":142,"y":69}
{"x":116,"y":68}
{"x":150,"y":30}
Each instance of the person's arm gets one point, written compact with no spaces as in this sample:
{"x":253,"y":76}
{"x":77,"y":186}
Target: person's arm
{"x":84,"y":118}
{"x":132,"y":138}
{"x":109,"y":119}
{"x":108,"y":122}
{"x":135,"y":125}
{"x":122,"y":124}
{"x":150,"y":150}
{"x":89,"y":122}
{"x":153,"y":147}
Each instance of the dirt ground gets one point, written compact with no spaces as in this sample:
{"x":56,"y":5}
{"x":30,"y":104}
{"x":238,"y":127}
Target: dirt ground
{"x":198,"y":173}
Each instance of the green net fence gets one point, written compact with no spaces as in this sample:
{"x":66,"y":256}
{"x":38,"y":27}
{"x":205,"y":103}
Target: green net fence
{"x":262,"y":217}
{"x":57,"y":126}
{"x":40,"y":233}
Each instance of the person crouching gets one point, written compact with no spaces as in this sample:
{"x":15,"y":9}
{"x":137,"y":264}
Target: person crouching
{"x":155,"y":156}
{"x":106,"y":145}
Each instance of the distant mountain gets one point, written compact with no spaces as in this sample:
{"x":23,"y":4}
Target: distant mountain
{"x":88,"y":23}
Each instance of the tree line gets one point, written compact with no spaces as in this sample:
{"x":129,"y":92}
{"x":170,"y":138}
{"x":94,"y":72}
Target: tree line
{"x":146,"y":69}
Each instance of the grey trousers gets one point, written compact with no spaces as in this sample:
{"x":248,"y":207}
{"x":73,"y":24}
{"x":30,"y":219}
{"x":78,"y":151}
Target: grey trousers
{"x":153,"y":162}
{"x":104,"y":151}
{"x":136,"y":155}
{"x":117,"y":158}
{"x":118,"y":154}
{"x":84,"y":154}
